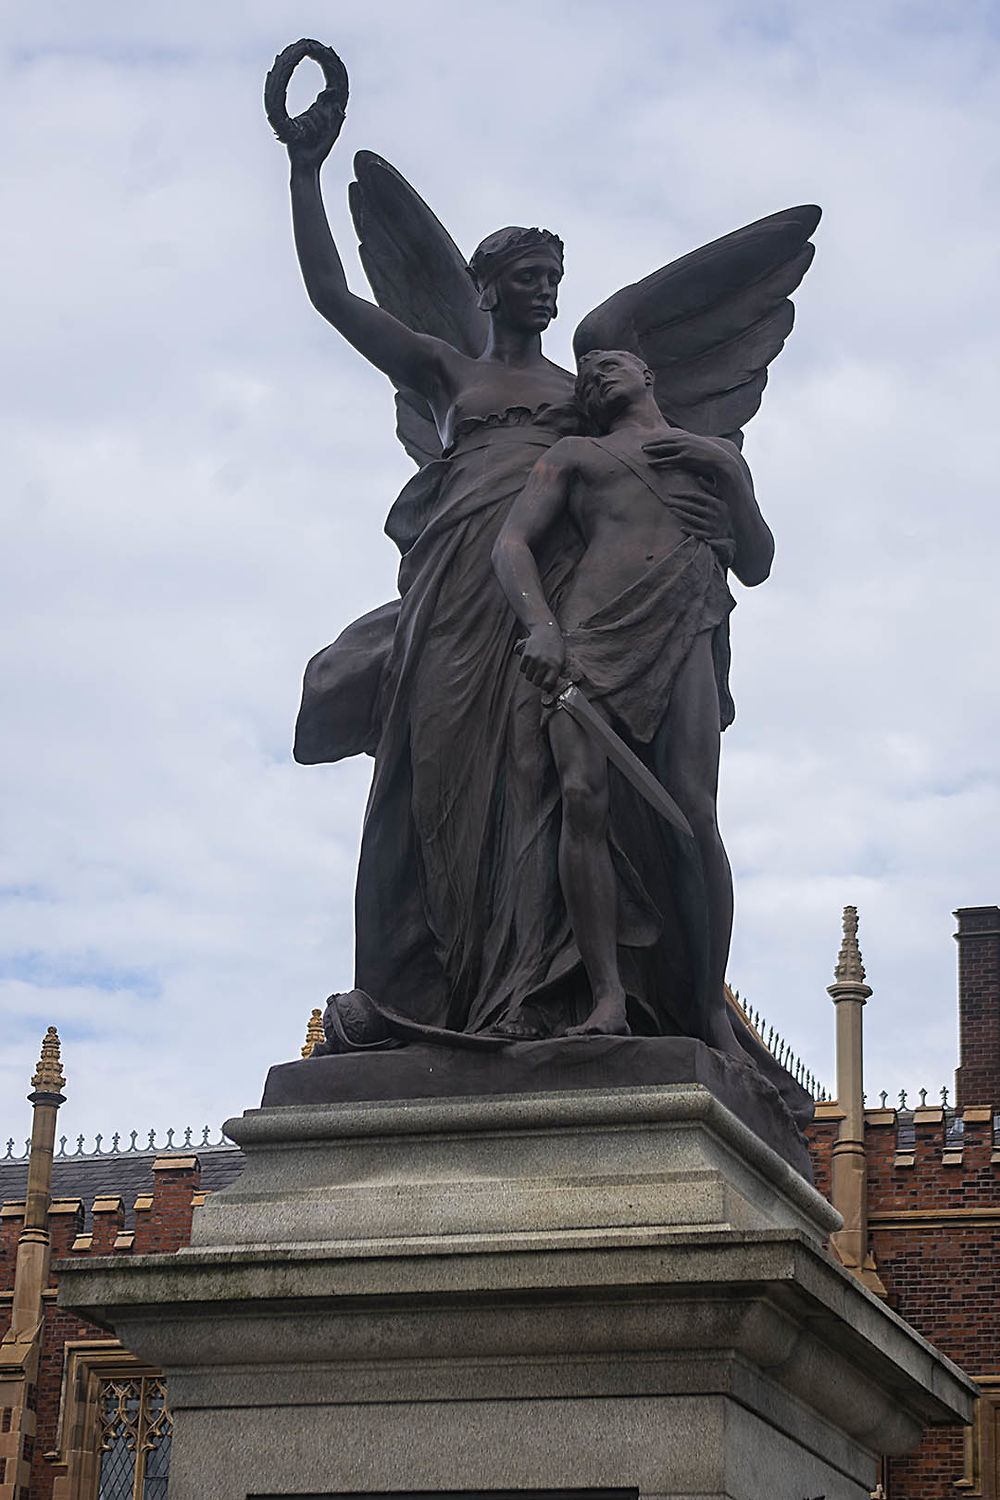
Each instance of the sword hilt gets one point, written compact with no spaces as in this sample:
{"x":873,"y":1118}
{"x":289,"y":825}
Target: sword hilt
{"x":559,"y":696}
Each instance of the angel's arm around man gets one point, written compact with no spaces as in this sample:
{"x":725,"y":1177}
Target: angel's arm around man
{"x":751,"y":533}
{"x":722,"y":479}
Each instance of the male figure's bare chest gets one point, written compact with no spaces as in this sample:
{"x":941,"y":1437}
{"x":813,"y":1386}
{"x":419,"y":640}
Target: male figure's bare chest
{"x":614,"y":498}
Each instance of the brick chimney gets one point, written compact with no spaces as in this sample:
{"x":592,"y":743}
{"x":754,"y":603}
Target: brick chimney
{"x":977,"y":1079}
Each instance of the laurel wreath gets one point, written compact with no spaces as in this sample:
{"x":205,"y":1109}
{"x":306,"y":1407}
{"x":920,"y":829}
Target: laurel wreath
{"x":308,"y":127}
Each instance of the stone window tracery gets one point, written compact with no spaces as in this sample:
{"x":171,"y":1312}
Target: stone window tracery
{"x":135,"y":1430}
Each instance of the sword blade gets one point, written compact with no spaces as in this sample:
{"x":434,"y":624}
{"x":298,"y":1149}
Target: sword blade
{"x":579,"y":708}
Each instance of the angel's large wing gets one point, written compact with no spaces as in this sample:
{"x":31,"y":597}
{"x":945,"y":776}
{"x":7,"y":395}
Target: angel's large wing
{"x":709,"y":324}
{"x":417,"y":273}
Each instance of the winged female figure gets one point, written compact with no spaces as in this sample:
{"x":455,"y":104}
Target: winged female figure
{"x":460,"y":919}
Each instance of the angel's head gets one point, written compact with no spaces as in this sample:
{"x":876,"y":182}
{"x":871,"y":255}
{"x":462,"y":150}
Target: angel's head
{"x":607,"y":381}
{"x":517,"y":273}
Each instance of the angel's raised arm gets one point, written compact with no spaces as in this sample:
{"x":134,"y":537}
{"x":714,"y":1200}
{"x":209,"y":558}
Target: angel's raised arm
{"x":411,"y":359}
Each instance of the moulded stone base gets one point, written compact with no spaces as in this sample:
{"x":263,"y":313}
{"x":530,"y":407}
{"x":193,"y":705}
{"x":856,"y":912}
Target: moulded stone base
{"x":420,"y":1071}
{"x":504,"y":1170}
{"x":585,"y":1291}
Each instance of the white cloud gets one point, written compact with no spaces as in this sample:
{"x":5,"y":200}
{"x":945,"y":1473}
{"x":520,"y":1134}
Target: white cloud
{"x":197,"y":472}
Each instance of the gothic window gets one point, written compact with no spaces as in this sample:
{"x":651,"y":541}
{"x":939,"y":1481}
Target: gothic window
{"x":134,"y":1427}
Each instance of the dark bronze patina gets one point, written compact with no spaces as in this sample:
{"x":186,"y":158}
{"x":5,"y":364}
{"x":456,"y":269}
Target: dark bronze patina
{"x":512,"y":884}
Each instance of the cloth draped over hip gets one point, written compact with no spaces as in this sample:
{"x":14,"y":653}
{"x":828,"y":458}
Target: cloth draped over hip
{"x":628,"y":653}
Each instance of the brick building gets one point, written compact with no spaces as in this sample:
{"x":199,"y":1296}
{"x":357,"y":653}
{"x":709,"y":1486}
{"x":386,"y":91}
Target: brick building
{"x":79,"y":1416}
{"x":919,"y":1190}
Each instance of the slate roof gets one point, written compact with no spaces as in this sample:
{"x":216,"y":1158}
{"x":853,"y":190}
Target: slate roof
{"x":128,"y":1173}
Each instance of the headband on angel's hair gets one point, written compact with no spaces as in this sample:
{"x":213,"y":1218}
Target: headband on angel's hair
{"x":500,"y":249}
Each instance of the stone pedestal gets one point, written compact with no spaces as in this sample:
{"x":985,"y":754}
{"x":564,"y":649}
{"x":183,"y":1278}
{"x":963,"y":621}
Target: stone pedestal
{"x":560,"y":1065}
{"x":593,"y":1290}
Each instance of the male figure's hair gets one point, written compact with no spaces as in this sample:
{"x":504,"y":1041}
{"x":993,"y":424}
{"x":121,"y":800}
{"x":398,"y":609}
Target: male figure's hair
{"x":588,"y":394}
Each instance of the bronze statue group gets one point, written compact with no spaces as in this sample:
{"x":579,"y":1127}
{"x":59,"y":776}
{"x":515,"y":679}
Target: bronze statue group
{"x":566,"y":541}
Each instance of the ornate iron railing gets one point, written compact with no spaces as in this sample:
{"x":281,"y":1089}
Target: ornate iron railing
{"x":188,"y":1142}
{"x":780,"y":1049}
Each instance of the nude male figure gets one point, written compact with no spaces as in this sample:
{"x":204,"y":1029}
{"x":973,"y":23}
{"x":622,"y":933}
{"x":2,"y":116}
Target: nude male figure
{"x":661,"y":511}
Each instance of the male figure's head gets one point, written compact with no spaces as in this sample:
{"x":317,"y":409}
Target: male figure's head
{"x":610,"y":382}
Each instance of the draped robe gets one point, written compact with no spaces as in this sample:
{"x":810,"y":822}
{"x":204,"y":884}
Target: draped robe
{"x":459,"y":916}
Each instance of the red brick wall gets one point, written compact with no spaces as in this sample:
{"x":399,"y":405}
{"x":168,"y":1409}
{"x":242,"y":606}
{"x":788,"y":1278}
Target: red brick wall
{"x":60,"y":1327}
{"x":10,"y":1231}
{"x":930,"y":1472}
{"x":822,"y":1134}
{"x":166,"y":1225}
{"x":940,"y":1264}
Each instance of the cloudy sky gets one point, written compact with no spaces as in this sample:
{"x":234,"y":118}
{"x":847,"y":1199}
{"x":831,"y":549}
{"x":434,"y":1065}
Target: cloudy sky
{"x":196,"y":472}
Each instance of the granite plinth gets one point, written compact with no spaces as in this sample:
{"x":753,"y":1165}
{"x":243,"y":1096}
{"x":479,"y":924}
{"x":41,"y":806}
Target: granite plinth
{"x":586,"y":1290}
{"x":421,"y":1071}
{"x":504,"y":1170}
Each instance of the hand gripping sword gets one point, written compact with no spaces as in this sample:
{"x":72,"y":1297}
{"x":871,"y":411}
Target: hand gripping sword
{"x":580,"y":708}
